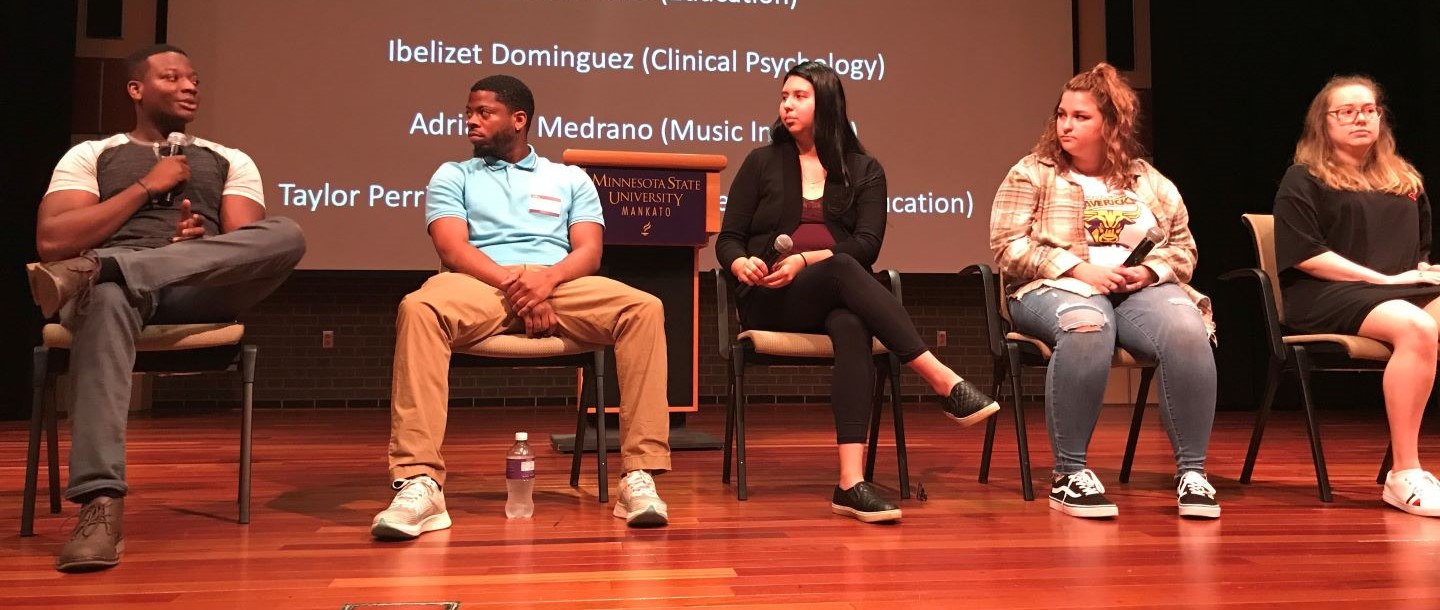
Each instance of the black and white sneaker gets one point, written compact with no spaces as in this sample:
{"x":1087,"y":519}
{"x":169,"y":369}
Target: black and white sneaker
{"x":1081,"y":495}
{"x":967,"y":405}
{"x":863,"y":503}
{"x":1196,"y":496}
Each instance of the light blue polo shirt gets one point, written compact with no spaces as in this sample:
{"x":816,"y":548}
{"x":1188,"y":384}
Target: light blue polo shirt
{"x":519,"y":213}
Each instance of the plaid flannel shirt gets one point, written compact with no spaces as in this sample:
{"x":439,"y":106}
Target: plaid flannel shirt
{"x":1037,"y":235}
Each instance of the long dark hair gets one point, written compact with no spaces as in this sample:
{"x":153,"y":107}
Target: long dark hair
{"x":834,"y":137}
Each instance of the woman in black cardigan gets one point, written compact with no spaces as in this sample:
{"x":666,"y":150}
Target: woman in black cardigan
{"x":815,"y":183}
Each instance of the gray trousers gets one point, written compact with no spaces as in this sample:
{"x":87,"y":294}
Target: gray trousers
{"x":1158,"y":324}
{"x":201,"y":280}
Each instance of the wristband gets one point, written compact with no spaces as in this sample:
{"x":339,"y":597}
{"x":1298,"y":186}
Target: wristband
{"x":804,"y":260}
{"x":150,"y":195}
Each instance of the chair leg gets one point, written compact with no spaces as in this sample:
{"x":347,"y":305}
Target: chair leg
{"x":729,"y":422}
{"x":1027,"y":489}
{"x":1312,"y":426}
{"x":737,"y":356}
{"x":997,"y":373}
{"x":247,"y":376}
{"x":877,"y":406}
{"x":1146,"y":376}
{"x":1385,"y":464}
{"x":52,"y":456}
{"x":40,"y":358}
{"x":897,"y":412}
{"x":1272,"y":383}
{"x":588,"y":376}
{"x":602,"y":445}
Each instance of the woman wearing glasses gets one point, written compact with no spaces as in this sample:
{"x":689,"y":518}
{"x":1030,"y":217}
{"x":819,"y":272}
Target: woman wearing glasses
{"x":815,"y":183}
{"x":1352,"y":242}
{"x":1065,"y":229}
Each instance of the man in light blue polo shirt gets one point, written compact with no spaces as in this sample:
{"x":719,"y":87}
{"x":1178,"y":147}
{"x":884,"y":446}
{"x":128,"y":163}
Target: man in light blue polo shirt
{"x":522,"y":237}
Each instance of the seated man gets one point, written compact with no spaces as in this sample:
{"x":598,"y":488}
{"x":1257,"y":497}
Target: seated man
{"x":131,"y":238}
{"x":522,"y":236}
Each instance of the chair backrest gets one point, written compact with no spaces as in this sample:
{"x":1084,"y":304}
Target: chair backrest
{"x":1003,"y":304}
{"x":723,"y":314}
{"x":1262,"y":229}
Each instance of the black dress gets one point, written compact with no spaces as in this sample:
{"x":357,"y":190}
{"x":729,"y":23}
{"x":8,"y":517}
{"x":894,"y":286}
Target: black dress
{"x":1385,"y":232}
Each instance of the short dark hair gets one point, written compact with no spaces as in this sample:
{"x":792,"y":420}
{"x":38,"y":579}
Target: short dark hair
{"x":137,"y":62}
{"x":510,"y":91}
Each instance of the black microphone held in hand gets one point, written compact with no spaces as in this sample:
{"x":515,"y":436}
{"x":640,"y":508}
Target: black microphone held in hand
{"x":174,"y":145}
{"x":1142,"y":249}
{"x":774,"y":254}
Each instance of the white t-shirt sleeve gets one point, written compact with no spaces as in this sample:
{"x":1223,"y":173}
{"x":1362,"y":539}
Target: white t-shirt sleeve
{"x":244,"y":178}
{"x":76,"y":170}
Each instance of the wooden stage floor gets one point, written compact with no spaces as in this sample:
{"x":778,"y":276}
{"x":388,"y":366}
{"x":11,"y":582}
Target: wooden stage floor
{"x":320,"y":477}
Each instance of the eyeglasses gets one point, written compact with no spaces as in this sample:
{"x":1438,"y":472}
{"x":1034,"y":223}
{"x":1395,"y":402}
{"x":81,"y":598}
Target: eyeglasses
{"x":1350,"y":114}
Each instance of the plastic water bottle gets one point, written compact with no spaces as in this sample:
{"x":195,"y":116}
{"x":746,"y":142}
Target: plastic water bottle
{"x":520,"y":479}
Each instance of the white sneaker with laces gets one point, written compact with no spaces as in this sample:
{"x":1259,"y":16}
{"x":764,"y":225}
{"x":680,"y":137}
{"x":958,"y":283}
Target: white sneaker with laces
{"x":418,"y":507}
{"x":1414,"y":491}
{"x":639,"y":505}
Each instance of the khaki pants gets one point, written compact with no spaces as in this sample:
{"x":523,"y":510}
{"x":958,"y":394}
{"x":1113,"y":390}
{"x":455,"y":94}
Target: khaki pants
{"x":453,"y":311}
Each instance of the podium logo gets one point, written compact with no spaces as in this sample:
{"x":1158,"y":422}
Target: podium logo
{"x":645,"y":230}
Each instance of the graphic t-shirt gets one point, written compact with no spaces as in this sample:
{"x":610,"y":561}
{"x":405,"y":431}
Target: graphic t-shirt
{"x":1115,"y":221}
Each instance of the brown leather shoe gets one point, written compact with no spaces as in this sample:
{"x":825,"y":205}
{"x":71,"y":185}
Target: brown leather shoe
{"x":54,"y":284}
{"x":98,"y":540}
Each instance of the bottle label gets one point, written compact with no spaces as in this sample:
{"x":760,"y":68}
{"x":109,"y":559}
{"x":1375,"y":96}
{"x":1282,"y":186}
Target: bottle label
{"x":519,"y":469}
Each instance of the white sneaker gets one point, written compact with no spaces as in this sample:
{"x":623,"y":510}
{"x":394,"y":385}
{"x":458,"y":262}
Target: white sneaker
{"x":418,"y":507}
{"x":639,"y":505}
{"x":1414,"y":491}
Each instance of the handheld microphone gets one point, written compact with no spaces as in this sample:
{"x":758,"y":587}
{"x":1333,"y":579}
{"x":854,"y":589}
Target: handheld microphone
{"x":175,"y":145}
{"x":777,"y":251}
{"x":1142,"y":249}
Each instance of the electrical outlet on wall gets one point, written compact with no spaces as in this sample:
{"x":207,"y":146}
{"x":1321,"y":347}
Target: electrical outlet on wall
{"x":327,"y":339}
{"x":941,"y":338}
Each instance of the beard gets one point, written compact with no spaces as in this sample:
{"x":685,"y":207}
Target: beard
{"x":496,"y":145}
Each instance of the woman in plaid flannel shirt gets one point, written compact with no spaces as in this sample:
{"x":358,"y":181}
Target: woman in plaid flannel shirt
{"x":1063,"y":229}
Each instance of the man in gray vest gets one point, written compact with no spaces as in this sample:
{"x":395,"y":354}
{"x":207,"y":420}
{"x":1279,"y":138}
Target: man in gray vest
{"x":130,"y":235}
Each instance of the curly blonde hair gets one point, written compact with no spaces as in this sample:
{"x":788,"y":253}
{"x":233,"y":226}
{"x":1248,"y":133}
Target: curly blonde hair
{"x":1120,"y":111}
{"x":1382,"y":169}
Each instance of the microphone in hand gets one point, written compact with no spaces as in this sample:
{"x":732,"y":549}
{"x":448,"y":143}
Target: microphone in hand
{"x":174,"y":145}
{"x":775,"y":253}
{"x":1142,"y":249}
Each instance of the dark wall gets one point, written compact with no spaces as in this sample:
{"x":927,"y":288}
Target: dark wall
{"x":37,"y":43}
{"x":1232,"y":81}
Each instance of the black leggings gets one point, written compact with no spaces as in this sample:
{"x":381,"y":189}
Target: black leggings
{"x":840,"y":298}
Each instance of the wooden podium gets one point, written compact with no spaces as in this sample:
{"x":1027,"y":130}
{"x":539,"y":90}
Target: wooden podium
{"x":660,"y":210}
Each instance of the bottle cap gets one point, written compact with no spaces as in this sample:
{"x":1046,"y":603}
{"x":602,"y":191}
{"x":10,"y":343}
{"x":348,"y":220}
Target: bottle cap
{"x":522,"y":436}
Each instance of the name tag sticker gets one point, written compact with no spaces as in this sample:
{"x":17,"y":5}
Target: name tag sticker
{"x":548,"y":205}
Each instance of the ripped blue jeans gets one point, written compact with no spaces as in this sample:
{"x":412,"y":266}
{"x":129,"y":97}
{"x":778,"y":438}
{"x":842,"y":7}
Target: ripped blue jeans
{"x":1158,"y":324}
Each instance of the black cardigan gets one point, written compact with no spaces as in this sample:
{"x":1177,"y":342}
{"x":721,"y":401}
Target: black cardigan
{"x":765,"y":201}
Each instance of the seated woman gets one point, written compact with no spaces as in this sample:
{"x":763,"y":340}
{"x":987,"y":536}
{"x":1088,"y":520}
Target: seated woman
{"x":815,"y":183}
{"x":1064,"y":229}
{"x":1352,"y":241}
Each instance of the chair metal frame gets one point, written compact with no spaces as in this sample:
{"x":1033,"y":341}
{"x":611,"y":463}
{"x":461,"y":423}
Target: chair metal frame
{"x":739,"y":354}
